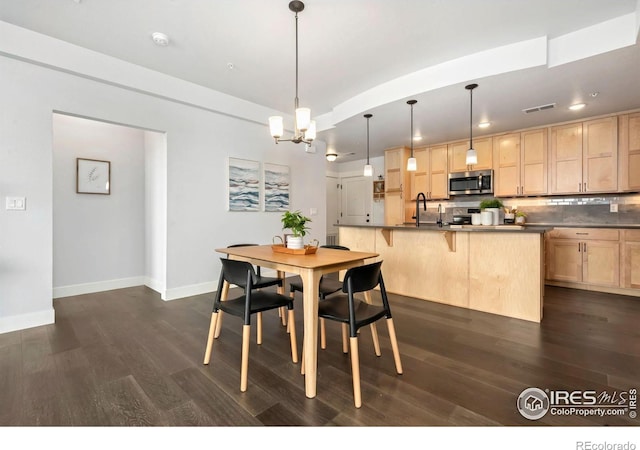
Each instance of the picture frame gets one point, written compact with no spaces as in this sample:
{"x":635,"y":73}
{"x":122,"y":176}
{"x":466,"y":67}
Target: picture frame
{"x":243,"y":185}
{"x":276,"y":182}
{"x":93,"y":176}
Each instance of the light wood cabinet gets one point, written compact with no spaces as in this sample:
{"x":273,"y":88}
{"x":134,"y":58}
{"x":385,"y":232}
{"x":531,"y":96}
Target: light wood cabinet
{"x":630,"y":261}
{"x":458,"y":155}
{"x":600,"y":155}
{"x":629,"y":152}
{"x":566,"y":159}
{"x":520,"y":163}
{"x":584,"y":157}
{"x":396,"y":182}
{"x":584,"y":255}
{"x":432,"y":175}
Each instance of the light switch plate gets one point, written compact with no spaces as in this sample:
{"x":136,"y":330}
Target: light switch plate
{"x":16,"y":203}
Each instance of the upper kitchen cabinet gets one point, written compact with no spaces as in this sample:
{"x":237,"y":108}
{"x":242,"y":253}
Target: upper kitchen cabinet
{"x":396,"y":182}
{"x":584,"y":157}
{"x":600,"y":155}
{"x":520,"y":163}
{"x":458,"y":155}
{"x":431,"y":176}
{"x":629,"y":152}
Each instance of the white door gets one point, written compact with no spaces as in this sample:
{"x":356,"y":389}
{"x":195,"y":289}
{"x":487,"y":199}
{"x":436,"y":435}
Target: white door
{"x":333,"y":205}
{"x":357,"y":196}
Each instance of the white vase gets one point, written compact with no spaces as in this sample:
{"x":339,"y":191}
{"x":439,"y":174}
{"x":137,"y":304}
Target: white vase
{"x":295,"y":242}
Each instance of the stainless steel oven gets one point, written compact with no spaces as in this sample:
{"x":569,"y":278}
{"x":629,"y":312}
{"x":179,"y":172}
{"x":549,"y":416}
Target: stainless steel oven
{"x":472,"y":182}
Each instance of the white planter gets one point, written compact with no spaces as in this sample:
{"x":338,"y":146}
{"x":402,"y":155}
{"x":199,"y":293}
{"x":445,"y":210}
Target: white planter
{"x":476,"y":219}
{"x":496,"y":215}
{"x":486,"y":217}
{"x":295,"y":242}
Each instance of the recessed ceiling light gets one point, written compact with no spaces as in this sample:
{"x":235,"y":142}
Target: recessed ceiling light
{"x":160,"y":39}
{"x":577,"y":106}
{"x":230,"y":65}
{"x":594,"y":94}
{"x":484,"y":124}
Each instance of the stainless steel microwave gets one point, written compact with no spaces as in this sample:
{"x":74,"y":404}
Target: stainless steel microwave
{"x":472,"y":182}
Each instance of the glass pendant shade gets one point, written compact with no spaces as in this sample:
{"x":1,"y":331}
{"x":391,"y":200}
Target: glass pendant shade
{"x":310,"y":133}
{"x":331,"y":157}
{"x":368,"y":170}
{"x":276,"y":125}
{"x":303,"y":118}
{"x":472,"y":156}
{"x":412,"y":165}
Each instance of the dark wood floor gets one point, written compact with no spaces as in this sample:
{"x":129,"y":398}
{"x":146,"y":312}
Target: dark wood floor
{"x":125,"y":358}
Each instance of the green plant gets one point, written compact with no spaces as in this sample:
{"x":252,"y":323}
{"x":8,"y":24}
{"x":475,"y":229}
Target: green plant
{"x":491,"y":203}
{"x":295,"y":222}
{"x":521,"y":214}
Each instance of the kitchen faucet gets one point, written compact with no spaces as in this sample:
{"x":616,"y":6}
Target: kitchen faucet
{"x":439,"y":215}
{"x":424,"y":203}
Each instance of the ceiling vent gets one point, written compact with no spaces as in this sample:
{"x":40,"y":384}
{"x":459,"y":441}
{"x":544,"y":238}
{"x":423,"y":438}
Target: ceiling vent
{"x":539,"y":108}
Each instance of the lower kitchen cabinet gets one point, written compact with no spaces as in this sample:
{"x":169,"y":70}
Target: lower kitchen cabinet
{"x":630,"y":259}
{"x":586,"y":256}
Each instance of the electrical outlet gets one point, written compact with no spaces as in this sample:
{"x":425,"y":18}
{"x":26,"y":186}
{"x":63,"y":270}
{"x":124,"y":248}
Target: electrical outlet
{"x":613,"y":207}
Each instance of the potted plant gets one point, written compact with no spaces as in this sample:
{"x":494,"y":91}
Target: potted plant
{"x":297,"y":223}
{"x":494,"y":205}
{"x":521,"y":217}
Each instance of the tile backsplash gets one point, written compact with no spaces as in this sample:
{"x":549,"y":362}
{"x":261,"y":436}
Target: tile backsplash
{"x":572,"y":210}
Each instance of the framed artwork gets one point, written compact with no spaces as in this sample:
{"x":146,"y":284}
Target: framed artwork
{"x":276,"y":187}
{"x":243,"y":185}
{"x":93,"y":176}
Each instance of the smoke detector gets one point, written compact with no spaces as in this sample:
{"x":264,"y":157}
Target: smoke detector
{"x":160,"y":39}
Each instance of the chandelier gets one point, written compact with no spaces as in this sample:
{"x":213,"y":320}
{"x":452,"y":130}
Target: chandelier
{"x":304,"y":127}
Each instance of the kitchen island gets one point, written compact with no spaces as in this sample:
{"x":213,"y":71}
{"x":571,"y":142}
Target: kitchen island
{"x":498,"y":270}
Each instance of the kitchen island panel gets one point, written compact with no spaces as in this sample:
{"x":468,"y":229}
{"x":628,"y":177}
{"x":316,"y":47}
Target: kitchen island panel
{"x":421,"y":265}
{"x":505,"y":274}
{"x":499,"y":272}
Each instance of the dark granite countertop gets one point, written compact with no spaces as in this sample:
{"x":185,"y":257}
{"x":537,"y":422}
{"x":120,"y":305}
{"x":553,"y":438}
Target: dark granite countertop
{"x":587,"y":225}
{"x":462,"y":228}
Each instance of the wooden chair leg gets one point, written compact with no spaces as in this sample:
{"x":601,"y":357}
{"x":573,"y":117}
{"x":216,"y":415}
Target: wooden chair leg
{"x":394,"y":345}
{"x":323,"y":335}
{"x":259,"y":328}
{"x":355,"y":372}
{"x":345,"y":333}
{"x":223,"y":296}
{"x":283,"y":316}
{"x":376,"y":342}
{"x":212,"y":330}
{"x":244,"y":369}
{"x":218,"y":325}
{"x":302,"y":362}
{"x":292,"y":335}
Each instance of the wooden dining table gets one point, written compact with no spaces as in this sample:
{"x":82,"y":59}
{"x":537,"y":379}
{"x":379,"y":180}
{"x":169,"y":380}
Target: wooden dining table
{"x":310,"y":267}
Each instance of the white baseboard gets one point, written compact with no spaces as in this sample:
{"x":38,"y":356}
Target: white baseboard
{"x":158,"y":286}
{"x":189,"y":291}
{"x":23,"y":321}
{"x":99,"y":286}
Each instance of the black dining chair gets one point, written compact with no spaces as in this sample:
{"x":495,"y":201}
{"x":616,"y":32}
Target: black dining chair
{"x":252,"y":301}
{"x":260,"y":283}
{"x":328,"y":286}
{"x":346,"y":309}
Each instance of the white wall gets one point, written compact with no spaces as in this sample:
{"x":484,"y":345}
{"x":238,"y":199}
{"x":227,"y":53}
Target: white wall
{"x":155,"y":180}
{"x":199,"y":142}
{"x":97,"y":238}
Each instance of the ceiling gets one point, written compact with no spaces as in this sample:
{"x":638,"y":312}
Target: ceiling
{"x":371,"y":56}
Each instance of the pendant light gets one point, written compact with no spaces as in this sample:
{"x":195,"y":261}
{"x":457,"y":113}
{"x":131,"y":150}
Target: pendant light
{"x":472,"y":155}
{"x":305,"y":128}
{"x":368,"y":169}
{"x":412,"y":164}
